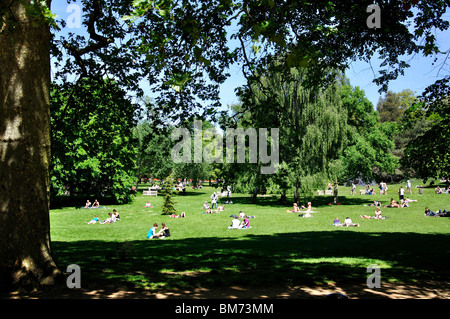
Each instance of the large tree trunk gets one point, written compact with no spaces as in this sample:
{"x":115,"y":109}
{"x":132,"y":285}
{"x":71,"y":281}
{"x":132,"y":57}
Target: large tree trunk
{"x":25,"y":254}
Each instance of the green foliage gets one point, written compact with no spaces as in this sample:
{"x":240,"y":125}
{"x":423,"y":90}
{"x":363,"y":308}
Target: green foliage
{"x":311,"y":121}
{"x":93,"y":152}
{"x":392,"y":106}
{"x":428,"y":154}
{"x":369,"y":151}
{"x":168,"y":207}
{"x":154,"y":150}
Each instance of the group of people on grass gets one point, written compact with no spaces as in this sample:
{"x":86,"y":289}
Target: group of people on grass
{"x":95,"y":204}
{"x":297,"y":209}
{"x":113,"y":217}
{"x":162,"y":233}
{"x":439,"y":190}
{"x":236,"y":223}
{"x":402,"y":203}
{"x":439,"y":213}
{"x":242,"y":221}
{"x":209,"y":210}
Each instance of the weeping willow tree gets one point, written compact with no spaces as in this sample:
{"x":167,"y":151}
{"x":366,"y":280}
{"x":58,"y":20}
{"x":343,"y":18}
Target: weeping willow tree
{"x":312,"y":125}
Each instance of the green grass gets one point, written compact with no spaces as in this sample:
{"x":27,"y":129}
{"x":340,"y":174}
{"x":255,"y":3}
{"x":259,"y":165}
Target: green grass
{"x":279,"y":249}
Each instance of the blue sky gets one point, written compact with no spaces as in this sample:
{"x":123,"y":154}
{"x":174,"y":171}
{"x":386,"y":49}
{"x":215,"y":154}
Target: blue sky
{"x":421,"y":73}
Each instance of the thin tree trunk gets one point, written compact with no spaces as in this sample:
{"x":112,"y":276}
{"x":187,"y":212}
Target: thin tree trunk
{"x":25,"y":253}
{"x":335,"y":192}
{"x":297,"y":193}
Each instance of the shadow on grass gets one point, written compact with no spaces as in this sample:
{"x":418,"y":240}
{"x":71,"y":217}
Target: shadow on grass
{"x":291,"y":259}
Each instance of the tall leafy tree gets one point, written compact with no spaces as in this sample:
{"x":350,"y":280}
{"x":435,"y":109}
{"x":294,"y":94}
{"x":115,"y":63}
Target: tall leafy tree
{"x":93,"y":150}
{"x":392,"y":106}
{"x":369,"y":153}
{"x":312,"y":123}
{"x":154,"y":150}
{"x":428,"y":153}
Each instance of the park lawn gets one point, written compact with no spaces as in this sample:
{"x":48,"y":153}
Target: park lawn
{"x":279,"y":249}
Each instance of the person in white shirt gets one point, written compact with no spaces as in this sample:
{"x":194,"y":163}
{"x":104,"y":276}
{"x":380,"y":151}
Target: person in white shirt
{"x":235,"y":224}
{"x":214,"y":198}
{"x":401,"y":193}
{"x":408,"y":187}
{"x":348,"y":222}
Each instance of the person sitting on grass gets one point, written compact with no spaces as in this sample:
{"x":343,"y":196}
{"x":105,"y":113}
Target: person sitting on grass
{"x":112,"y":219}
{"x":96,"y":204}
{"x":404,"y":203}
{"x":295,"y":209}
{"x":163,"y":232}
{"x":94,"y":220}
{"x":393,"y":203}
{"x":88,"y":204}
{"x":205,"y":205}
{"x":116,"y":214}
{"x":235,"y":224}
{"x":337,"y":222}
{"x":245,"y":223}
{"x":152,"y":231}
{"x":148,"y":205}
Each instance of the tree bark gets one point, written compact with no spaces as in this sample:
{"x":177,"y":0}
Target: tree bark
{"x":25,"y":252}
{"x":335,"y":192}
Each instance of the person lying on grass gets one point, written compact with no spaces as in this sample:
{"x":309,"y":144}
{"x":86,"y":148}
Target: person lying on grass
{"x":347,"y":222}
{"x":183,"y":214}
{"x":94,"y":220}
{"x":307,"y":214}
{"x":440,"y":213}
{"x":377,"y":215}
{"x":375,"y":203}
